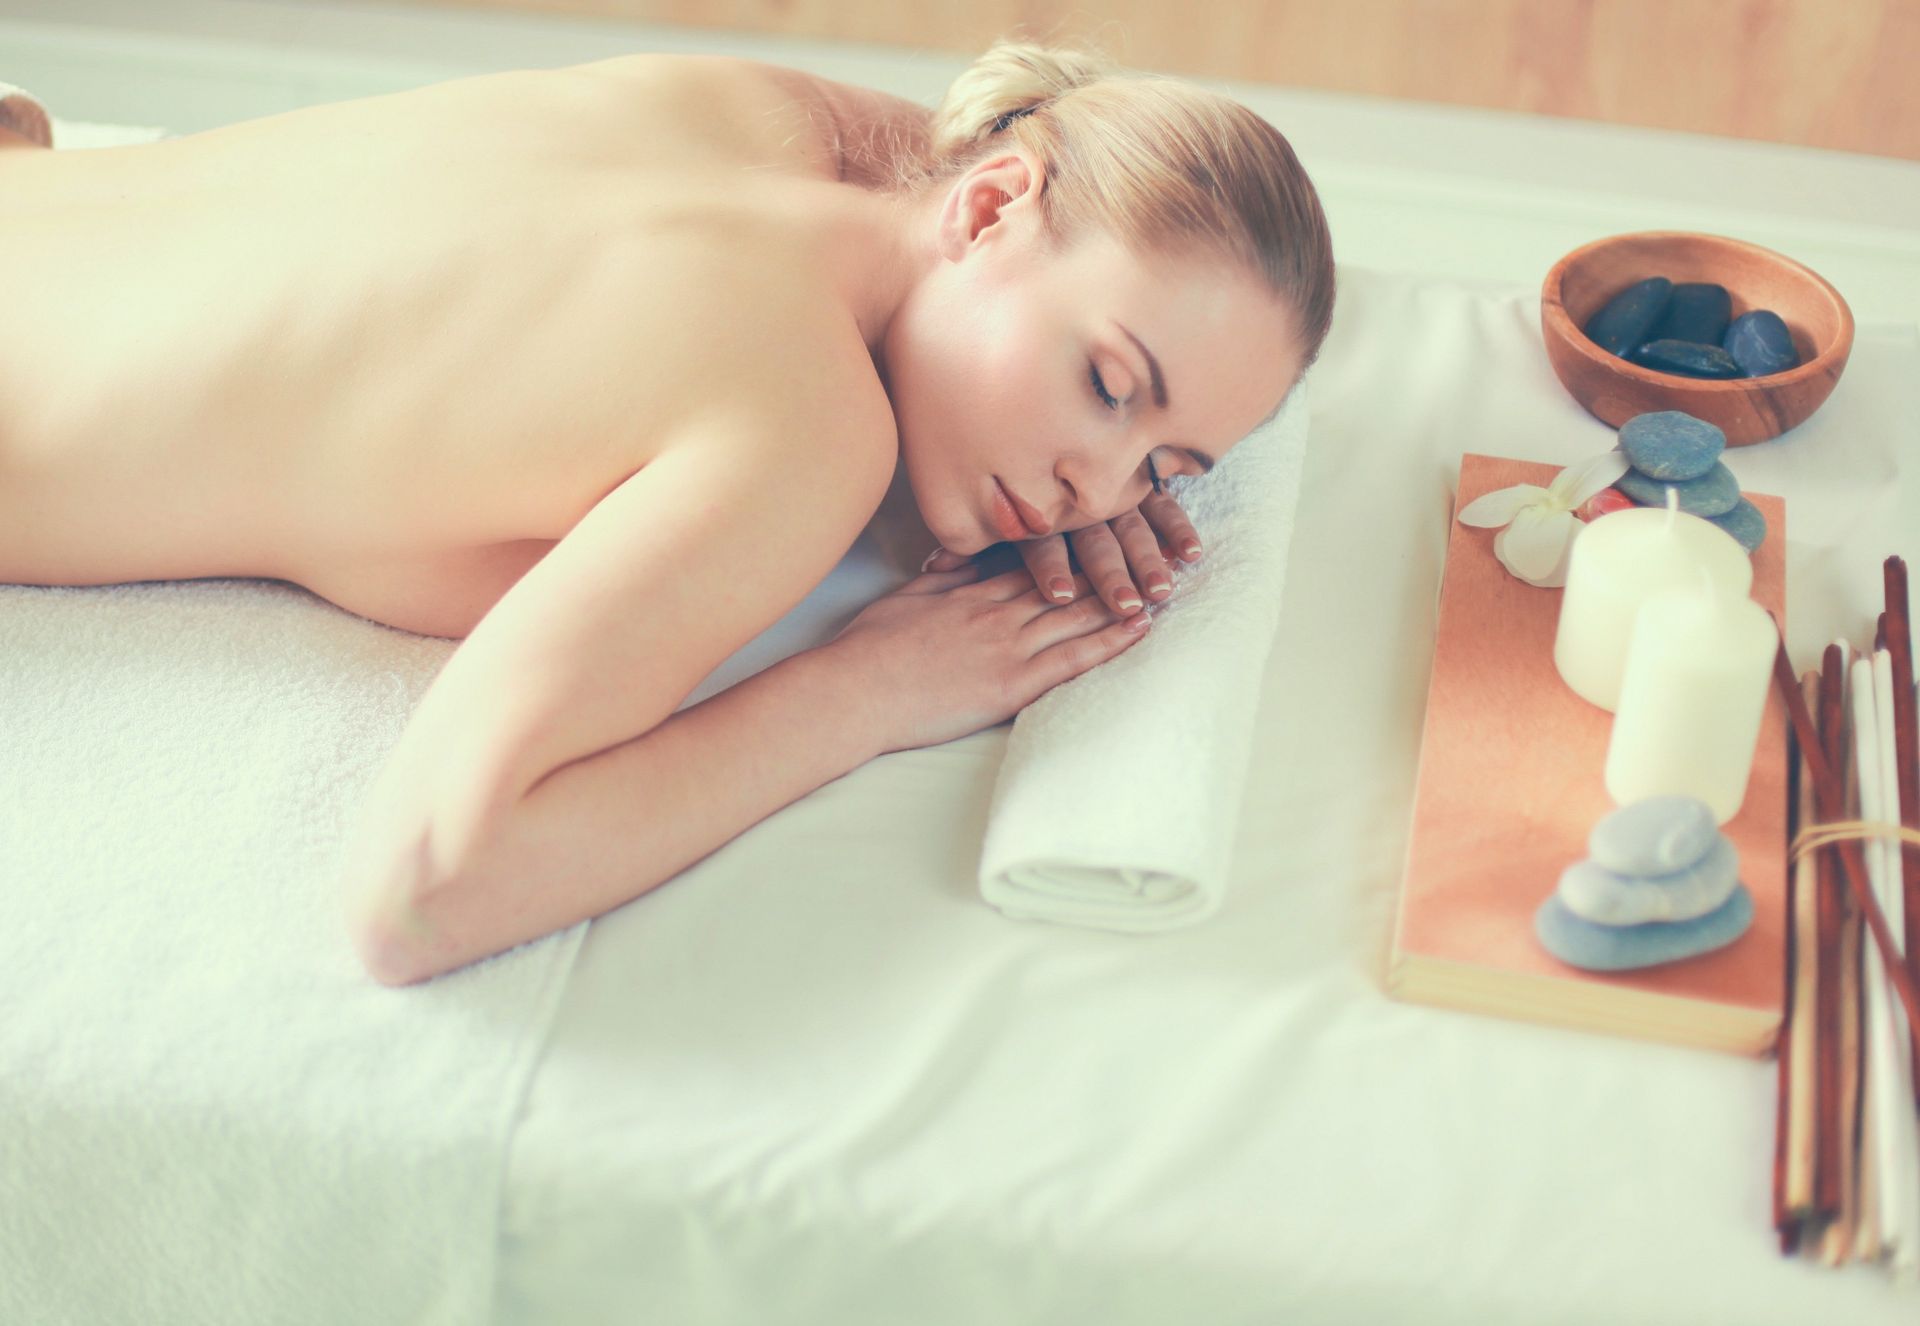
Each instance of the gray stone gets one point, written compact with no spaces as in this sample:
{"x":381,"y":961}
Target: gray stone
{"x":1594,"y":893}
{"x":1713,"y":494}
{"x":1697,"y":312}
{"x":1760,"y":343}
{"x":1745,"y":523}
{"x":1627,"y":318}
{"x":1686,"y":359}
{"x":1653,"y":836}
{"x":1671,"y":444}
{"x":1626,"y":947}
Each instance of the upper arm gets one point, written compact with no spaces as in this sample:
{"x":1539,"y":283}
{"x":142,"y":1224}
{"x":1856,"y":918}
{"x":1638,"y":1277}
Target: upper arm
{"x":669,"y":574}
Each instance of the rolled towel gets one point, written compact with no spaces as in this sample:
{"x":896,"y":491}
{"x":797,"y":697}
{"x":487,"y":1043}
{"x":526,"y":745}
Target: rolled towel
{"x":1120,"y":790}
{"x":22,"y":112}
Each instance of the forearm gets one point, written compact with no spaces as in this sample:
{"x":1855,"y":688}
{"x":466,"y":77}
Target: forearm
{"x":605,"y":829}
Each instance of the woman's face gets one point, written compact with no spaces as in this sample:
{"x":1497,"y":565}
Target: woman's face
{"x":1035,"y":370}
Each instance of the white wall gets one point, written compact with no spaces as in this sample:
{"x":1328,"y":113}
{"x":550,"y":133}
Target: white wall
{"x":1474,"y":195}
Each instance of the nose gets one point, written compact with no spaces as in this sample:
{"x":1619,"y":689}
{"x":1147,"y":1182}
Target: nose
{"x":1099,"y":495}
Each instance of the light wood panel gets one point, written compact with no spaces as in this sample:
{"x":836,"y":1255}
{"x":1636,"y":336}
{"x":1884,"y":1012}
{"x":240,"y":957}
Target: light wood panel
{"x":1841,"y":74}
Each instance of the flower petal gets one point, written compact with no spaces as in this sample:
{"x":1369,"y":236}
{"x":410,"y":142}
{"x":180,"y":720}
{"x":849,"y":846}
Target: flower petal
{"x":1535,"y":544}
{"x":1577,"y":483}
{"x":1500,"y":506}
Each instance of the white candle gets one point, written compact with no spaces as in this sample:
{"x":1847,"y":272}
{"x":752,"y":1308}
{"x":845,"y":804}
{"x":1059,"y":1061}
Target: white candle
{"x":1617,"y":562}
{"x":1691,"y":699}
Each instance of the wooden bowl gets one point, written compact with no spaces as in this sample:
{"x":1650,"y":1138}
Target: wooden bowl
{"x":1747,"y":410}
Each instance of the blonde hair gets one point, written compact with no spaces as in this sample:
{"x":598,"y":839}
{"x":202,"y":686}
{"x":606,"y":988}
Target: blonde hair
{"x":1162,"y":165}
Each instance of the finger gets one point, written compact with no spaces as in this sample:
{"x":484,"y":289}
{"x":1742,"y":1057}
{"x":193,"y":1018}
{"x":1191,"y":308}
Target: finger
{"x":1051,"y":623}
{"x":1142,"y":549}
{"x":1007,"y":585}
{"x":1070,"y":658}
{"x":1106,"y":566}
{"x":935,"y":582}
{"x":1169,"y":519}
{"x":1052,"y":571}
{"x":944,"y":559}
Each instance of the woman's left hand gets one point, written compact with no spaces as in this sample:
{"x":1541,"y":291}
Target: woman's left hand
{"x":1121,"y":557}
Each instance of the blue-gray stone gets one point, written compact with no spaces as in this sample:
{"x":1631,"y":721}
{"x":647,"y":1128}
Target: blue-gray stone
{"x":1760,"y":343}
{"x":1627,"y":318}
{"x":1686,"y":359}
{"x":1625,"y":947}
{"x":1594,"y":893}
{"x":1671,"y":444}
{"x":1653,"y":836}
{"x":1745,"y":523}
{"x":1697,"y":312}
{"x":1714,"y":493}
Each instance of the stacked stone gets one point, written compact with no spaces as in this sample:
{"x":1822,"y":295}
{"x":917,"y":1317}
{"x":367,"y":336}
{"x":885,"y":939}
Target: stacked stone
{"x":1670,"y":449}
{"x":1660,"y":883}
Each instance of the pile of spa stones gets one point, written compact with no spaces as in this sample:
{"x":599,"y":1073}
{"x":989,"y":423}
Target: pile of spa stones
{"x":1670,"y":449}
{"x":1660,"y":883}
{"x":1688,"y":329}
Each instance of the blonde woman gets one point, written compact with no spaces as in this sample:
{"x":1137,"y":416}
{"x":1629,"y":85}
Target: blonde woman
{"x":602,"y":369}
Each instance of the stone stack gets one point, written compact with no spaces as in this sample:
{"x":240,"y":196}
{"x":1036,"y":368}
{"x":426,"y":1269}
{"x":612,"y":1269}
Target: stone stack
{"x":1660,"y":883}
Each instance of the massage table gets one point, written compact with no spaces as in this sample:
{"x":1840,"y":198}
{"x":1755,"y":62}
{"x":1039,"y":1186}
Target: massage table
{"x":814,"y":1078}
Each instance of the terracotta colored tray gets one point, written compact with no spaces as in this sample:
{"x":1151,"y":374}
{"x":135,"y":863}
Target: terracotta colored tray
{"x":1511,"y":782}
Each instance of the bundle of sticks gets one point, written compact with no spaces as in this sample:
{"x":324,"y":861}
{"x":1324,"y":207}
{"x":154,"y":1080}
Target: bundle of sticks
{"x":1846,"y":1166}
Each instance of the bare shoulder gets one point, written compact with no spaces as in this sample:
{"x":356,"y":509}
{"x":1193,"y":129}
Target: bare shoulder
{"x":857,"y":128}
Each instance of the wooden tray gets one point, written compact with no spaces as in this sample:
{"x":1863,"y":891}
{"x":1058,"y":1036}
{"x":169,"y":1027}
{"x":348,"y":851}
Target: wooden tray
{"x":1511,"y":781}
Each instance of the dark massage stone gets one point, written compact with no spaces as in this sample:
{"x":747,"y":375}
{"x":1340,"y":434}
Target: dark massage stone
{"x":1698,"y":312}
{"x":1686,"y":359}
{"x":1627,"y":318}
{"x":1760,"y":343}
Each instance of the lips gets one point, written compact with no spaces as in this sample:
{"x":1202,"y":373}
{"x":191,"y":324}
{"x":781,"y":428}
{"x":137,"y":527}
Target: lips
{"x":1035,"y":524}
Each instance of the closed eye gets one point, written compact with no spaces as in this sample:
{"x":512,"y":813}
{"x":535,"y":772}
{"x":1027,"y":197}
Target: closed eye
{"x":1100,"y":390}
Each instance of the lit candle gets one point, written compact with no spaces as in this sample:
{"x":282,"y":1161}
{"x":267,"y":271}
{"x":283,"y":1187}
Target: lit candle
{"x":1691,"y":698}
{"x":1616,"y":564}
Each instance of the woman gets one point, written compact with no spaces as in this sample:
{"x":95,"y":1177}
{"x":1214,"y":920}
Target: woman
{"x":603,"y":369}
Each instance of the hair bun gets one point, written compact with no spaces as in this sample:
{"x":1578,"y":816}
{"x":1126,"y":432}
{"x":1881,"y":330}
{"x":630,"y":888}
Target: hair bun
{"x":1011,"y":80}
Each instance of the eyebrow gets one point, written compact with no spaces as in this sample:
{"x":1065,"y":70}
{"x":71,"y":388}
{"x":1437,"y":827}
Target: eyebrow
{"x":1200,"y":458}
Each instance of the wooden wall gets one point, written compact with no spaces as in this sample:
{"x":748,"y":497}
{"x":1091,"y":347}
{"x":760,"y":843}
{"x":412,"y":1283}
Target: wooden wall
{"x":1824,"y":73}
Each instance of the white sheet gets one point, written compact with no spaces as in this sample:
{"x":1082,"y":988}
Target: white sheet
{"x":208,"y":1111}
{"x":815,"y":1080}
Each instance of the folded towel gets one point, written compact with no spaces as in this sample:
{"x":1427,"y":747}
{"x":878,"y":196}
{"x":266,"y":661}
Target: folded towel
{"x":1120,"y":790}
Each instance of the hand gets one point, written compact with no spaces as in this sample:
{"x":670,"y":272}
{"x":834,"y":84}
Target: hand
{"x":950,"y":653}
{"x":1145,"y":539}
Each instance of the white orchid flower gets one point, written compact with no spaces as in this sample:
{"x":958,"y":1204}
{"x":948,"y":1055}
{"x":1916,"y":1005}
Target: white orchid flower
{"x":1540,"y":522}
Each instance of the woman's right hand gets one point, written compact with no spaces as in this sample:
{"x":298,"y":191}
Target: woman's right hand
{"x":949,"y":653}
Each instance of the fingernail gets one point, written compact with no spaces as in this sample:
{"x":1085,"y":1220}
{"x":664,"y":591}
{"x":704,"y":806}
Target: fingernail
{"x":1128,"y":600}
{"x":1061,"y":589}
{"x":1191,"y":550}
{"x":929,"y":562}
{"x":1159,"y":585}
{"x":1139,"y":623}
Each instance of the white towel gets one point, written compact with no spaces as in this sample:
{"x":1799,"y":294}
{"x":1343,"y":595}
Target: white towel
{"x":209,"y":1112}
{"x":1120,"y":790}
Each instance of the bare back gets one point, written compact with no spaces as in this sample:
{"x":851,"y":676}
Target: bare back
{"x":393,"y":349}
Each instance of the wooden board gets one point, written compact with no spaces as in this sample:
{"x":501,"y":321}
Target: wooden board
{"x":1511,"y":781}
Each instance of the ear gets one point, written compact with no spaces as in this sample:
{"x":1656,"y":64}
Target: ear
{"x":995,"y":198}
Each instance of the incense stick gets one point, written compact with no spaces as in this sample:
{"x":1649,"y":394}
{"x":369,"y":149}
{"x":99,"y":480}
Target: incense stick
{"x":1853,"y":867}
{"x":1906,"y":742}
